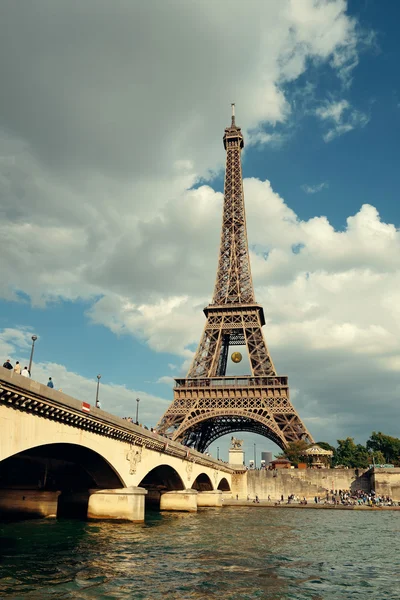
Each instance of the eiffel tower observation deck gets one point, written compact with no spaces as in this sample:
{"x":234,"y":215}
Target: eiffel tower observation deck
{"x":207,"y":403}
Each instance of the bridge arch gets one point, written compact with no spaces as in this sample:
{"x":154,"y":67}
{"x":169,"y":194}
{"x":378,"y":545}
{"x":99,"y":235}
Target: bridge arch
{"x":162,"y":478}
{"x":224,"y":485}
{"x":58,"y":466}
{"x":202,"y":483}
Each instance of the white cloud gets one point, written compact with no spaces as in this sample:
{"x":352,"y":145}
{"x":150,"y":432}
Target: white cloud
{"x":100,"y":156}
{"x":261,"y":137}
{"x":341,"y":118}
{"x":314,"y":189}
{"x":167,"y":380}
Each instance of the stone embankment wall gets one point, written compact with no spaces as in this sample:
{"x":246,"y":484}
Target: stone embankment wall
{"x":386,"y":482}
{"x":300,"y":482}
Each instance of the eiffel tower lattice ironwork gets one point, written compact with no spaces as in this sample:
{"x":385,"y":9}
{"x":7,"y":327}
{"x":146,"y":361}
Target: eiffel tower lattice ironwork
{"x":208,"y":404}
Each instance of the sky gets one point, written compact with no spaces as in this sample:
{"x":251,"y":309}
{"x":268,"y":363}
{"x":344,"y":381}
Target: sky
{"x":111,"y":183}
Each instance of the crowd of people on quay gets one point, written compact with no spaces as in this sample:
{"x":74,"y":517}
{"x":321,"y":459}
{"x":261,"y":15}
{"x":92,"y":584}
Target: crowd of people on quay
{"x":336,"y":498}
{"x":352,"y":498}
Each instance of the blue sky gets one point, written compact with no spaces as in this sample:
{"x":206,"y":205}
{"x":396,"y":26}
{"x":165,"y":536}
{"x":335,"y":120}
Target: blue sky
{"x":111,"y":173}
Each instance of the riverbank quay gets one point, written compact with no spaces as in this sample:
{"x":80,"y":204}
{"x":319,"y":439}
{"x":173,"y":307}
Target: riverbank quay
{"x":308,"y":483}
{"x":310,"y":506}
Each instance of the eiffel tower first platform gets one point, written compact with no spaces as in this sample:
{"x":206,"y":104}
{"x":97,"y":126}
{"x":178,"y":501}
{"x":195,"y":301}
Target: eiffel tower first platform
{"x":207,"y":403}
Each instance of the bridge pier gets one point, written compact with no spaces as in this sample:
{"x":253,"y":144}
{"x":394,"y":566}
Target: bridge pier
{"x":28,"y":504}
{"x":209,"y":498}
{"x":126,"y":504}
{"x":181,"y":500}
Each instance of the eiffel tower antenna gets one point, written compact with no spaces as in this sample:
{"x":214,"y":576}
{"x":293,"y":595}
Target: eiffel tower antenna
{"x":207,"y":403}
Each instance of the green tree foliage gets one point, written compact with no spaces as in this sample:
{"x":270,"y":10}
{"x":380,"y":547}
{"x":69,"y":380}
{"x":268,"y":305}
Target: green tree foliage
{"x":295,"y":452}
{"x":350,"y":454}
{"x":379,"y":458}
{"x":380,"y":449}
{"x":387,"y":445}
{"x":326,"y":446}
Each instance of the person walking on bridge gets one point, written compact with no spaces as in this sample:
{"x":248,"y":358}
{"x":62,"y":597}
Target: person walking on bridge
{"x":25,"y":372}
{"x":17,"y":368}
{"x":50,"y":384}
{"x":7,"y":364}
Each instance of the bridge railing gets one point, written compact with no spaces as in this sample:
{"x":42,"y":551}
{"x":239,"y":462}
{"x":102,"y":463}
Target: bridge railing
{"x":199,"y":382}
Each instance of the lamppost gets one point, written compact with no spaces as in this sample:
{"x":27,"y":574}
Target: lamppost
{"x":217,"y":452}
{"x":34,"y":338}
{"x":372,"y":456}
{"x":97,"y":391}
{"x":137,"y":410}
{"x":255,"y":456}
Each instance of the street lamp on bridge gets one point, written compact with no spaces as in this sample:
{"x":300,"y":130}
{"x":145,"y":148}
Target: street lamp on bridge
{"x":97,"y":391}
{"x":255,"y":456}
{"x":217,"y":452}
{"x":34,"y":338}
{"x":137,"y":410}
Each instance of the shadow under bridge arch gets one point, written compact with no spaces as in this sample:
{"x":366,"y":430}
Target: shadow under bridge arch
{"x":160,"y":479}
{"x":224,"y":485}
{"x":58,"y":467}
{"x":68,"y":469}
{"x":202,"y":483}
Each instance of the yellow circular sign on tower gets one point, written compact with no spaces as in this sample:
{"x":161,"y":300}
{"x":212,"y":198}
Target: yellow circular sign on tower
{"x":236,"y":357}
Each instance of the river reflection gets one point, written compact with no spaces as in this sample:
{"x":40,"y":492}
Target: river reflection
{"x":230,"y":553}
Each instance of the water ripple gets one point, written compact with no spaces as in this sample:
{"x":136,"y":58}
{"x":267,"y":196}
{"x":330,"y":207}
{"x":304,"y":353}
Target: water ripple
{"x":231,"y":554}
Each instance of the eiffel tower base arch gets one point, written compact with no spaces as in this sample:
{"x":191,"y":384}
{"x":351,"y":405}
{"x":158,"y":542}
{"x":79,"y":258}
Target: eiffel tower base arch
{"x":205,"y":409}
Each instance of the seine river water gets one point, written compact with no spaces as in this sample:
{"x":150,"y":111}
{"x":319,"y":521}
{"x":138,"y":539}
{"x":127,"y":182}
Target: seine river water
{"x":229,"y":554}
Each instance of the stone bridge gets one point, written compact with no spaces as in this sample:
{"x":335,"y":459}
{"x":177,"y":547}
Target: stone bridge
{"x":61,"y":456}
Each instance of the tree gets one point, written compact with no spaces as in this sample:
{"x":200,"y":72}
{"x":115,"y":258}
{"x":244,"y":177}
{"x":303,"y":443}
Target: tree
{"x":294,"y":452}
{"x":326,"y":446}
{"x":387,"y":445}
{"x":351,"y":455}
{"x":378,"y":458}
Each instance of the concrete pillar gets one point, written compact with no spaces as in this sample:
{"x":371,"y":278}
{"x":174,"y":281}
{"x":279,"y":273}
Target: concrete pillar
{"x":28,"y":504}
{"x":183,"y":500}
{"x":209,"y":498}
{"x":126,"y":504}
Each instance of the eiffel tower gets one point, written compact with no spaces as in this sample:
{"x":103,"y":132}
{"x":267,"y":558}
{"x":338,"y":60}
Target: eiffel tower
{"x":207,"y":403}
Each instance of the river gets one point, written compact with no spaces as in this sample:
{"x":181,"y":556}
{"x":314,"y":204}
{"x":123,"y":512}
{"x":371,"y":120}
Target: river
{"x":226,"y":554}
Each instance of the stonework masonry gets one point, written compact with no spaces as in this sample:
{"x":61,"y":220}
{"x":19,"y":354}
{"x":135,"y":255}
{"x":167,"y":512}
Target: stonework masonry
{"x":386,"y":482}
{"x":303,"y":483}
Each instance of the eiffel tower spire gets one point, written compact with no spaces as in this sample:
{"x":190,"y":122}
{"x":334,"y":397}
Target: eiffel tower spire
{"x":207,"y":404}
{"x":234,"y":282}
